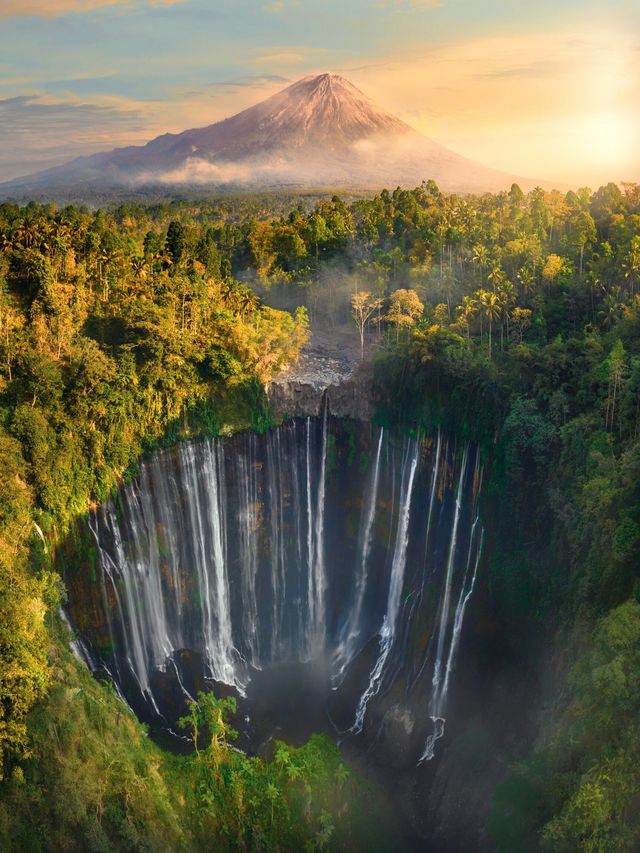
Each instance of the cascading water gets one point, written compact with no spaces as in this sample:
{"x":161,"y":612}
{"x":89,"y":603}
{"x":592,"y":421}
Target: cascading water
{"x":396,"y":582}
{"x":439,"y":680}
{"x":322,"y":543}
{"x":352,"y":633}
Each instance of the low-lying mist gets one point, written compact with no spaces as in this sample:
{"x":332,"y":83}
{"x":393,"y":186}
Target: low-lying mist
{"x":374,"y":161}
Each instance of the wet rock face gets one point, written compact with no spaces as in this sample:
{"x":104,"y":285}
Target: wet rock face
{"x":300,"y":390}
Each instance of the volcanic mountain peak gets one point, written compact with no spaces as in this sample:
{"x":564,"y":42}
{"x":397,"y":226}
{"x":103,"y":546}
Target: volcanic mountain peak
{"x":329,"y":102}
{"x":321,"y":112}
{"x":320,"y":130}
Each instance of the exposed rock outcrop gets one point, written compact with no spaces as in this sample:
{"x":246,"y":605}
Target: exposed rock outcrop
{"x":301,"y":389}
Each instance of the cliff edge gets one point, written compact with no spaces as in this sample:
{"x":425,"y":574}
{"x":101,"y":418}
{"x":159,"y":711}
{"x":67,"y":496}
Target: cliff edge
{"x":329,"y":366}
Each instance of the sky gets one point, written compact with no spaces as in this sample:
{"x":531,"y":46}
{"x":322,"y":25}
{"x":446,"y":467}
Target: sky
{"x":547,"y":89}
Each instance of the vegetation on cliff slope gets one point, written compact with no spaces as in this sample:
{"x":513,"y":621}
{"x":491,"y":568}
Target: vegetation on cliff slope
{"x":97,"y":361}
{"x":91,"y":780}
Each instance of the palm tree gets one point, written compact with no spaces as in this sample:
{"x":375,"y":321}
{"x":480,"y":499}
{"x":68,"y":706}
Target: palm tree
{"x":248,"y":302}
{"x":611,"y":309}
{"x":26,"y":233}
{"x":492,"y":308}
{"x":466,"y":311}
{"x":8,"y":242}
{"x":480,"y":258}
{"x":495,"y":276}
{"x":526,"y":278}
{"x":138,"y":265}
{"x":507,"y":296}
{"x":631,"y":264}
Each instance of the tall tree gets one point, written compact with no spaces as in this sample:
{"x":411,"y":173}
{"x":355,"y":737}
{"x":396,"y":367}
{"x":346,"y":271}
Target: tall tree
{"x":363,"y":309}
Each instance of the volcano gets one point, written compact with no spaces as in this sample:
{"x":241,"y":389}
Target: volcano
{"x":319,"y":131}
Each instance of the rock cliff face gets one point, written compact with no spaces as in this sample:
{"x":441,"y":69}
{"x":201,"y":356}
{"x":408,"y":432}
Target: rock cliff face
{"x":301,"y":390}
{"x":230,"y":531}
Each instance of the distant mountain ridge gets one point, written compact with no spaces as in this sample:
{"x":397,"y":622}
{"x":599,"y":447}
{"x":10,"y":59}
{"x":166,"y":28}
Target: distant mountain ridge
{"x":319,"y":131}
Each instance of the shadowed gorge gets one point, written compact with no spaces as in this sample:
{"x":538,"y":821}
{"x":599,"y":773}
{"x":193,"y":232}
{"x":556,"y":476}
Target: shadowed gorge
{"x":323,"y":550}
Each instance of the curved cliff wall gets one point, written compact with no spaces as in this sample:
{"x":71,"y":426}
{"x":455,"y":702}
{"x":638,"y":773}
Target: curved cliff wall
{"x":325,"y":543}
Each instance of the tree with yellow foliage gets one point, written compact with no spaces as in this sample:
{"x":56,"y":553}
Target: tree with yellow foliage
{"x":404,"y":309}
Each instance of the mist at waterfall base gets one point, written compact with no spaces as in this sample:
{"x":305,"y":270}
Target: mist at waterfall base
{"x":320,"y":572}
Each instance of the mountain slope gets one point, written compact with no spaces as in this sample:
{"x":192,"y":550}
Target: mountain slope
{"x":321,"y":130}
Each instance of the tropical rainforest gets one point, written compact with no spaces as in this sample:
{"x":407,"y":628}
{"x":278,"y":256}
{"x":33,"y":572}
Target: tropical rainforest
{"x":511,"y":320}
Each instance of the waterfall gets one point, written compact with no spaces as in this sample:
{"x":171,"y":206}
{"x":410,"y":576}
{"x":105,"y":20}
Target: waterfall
{"x":206,"y":501}
{"x":388,"y":628}
{"x":221,"y":660}
{"x":147,"y":643}
{"x":446,"y":598}
{"x":80,"y":650}
{"x":432,"y":495}
{"x":275,"y":541}
{"x":352,"y":632}
{"x":317,"y":542}
{"x":440,"y":684}
{"x":310,"y":588}
{"x":319,"y":580}
{"x":247,"y":565}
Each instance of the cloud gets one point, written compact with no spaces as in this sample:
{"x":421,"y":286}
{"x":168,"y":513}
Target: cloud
{"x":539,"y":68}
{"x":55,"y":8}
{"x":70,"y":129}
{"x":250,"y":80}
{"x":369,"y":161}
{"x":276,"y":6}
{"x":5,"y":82}
{"x":51,"y":8}
{"x":196,"y":171}
{"x":414,"y":4}
{"x":24,"y":111}
{"x":284,"y":57}
{"x":236,"y":92}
